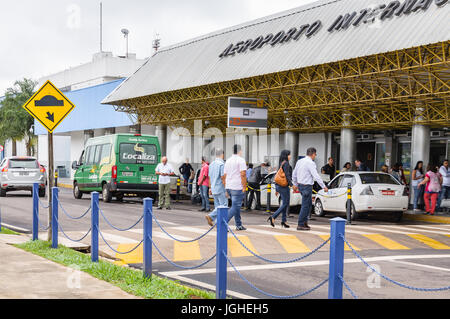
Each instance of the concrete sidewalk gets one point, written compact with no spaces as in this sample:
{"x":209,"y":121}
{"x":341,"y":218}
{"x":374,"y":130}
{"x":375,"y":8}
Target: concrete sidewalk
{"x":27,"y":276}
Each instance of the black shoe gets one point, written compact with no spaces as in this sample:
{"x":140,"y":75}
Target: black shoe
{"x":159,"y":208}
{"x":240,"y":228}
{"x":284,"y":225}
{"x":271,"y":221}
{"x":202,"y":210}
{"x":168,"y":208}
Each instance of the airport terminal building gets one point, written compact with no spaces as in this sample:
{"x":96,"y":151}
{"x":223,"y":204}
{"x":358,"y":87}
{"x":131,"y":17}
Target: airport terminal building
{"x":354,"y":78}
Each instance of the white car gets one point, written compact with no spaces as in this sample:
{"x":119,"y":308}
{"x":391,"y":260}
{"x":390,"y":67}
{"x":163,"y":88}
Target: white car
{"x":371,"y":192}
{"x":275,"y":201}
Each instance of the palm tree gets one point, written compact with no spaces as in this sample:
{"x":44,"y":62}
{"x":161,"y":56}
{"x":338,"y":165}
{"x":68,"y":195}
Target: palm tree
{"x":15,"y":122}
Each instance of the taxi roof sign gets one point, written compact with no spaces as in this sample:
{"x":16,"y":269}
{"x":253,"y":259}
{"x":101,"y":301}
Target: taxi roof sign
{"x":49,"y":106}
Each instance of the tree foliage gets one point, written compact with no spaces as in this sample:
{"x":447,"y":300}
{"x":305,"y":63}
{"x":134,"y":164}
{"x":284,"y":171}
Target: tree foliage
{"x":15,"y":121}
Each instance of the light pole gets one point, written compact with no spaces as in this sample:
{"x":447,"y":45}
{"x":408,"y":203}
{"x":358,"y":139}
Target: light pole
{"x":125,"y":33}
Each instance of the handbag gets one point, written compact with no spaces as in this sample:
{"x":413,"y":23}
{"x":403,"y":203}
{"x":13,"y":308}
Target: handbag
{"x":280,"y":177}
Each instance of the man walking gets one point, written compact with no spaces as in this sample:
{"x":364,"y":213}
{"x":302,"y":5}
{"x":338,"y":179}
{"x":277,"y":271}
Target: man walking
{"x":164,"y":170}
{"x":203,"y":182}
{"x":186,"y":170}
{"x":254,"y":182}
{"x":217,"y":183}
{"x":236,"y":183}
{"x":304,"y":175}
{"x":445,"y":193}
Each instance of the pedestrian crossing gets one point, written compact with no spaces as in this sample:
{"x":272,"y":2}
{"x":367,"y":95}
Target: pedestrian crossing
{"x":265,"y":240}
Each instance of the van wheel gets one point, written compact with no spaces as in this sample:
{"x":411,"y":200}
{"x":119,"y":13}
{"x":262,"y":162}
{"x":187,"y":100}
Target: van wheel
{"x":318,"y":208}
{"x":354,"y":215}
{"x":106,"y":194}
{"x":76,"y":191}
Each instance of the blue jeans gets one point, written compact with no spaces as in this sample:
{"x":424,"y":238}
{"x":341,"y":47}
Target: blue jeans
{"x":285,"y":194}
{"x":220,"y":200}
{"x":418,"y":193}
{"x":204,"y":192}
{"x":236,"y":203}
{"x":306,"y":191}
{"x":189,"y":187}
{"x":445,"y":193}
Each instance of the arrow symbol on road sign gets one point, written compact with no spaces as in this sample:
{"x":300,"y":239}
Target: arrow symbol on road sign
{"x":51,"y":116}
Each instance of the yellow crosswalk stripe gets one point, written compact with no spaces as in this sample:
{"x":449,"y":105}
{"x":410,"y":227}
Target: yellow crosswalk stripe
{"x":235,"y":248}
{"x":186,"y":251}
{"x":292,"y":244}
{"x":135,"y":257}
{"x":346,"y":247}
{"x":385,"y":242}
{"x":429,"y":241}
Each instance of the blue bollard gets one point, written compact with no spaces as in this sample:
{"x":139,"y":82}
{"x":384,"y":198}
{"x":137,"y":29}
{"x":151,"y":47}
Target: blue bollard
{"x":55,"y":227}
{"x":94,"y":226}
{"x":35,"y":211}
{"x":222,"y":250}
{"x":336,"y":258}
{"x":148,"y":224}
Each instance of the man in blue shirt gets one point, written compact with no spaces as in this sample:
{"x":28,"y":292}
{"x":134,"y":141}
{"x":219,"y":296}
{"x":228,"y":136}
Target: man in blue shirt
{"x":217,"y":187}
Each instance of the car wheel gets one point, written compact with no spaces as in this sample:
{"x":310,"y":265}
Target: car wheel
{"x":398,"y":216}
{"x":76,"y":191}
{"x":318,"y":208}
{"x":106,"y":194}
{"x":2,"y":192}
{"x":354,"y":214}
{"x":42,"y":192}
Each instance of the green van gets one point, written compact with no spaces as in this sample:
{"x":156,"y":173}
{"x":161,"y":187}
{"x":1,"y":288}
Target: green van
{"x":118,"y":165}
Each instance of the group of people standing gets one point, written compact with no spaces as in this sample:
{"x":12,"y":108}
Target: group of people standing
{"x":433,"y":186}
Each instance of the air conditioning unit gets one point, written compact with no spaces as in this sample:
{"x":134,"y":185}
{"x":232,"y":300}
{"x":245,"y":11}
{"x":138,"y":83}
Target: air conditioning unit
{"x":366,"y":136}
{"x":437,"y":134}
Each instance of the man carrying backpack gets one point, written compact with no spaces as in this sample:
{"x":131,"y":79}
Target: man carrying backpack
{"x":254,"y":183}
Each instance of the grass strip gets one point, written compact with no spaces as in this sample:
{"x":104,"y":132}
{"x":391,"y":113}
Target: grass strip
{"x":6,"y":231}
{"x":128,"y":279}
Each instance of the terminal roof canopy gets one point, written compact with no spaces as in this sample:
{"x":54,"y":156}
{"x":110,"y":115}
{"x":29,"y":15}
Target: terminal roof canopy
{"x":198,"y":62}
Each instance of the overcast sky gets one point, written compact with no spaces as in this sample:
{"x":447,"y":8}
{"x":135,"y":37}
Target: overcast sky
{"x":41,"y":37}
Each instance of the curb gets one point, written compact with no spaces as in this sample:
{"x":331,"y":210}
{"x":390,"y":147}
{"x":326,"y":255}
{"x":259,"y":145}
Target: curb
{"x":428,"y":218}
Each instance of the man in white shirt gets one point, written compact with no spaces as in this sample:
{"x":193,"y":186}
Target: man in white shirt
{"x":304,"y":175}
{"x":164,"y":170}
{"x":235,"y":175}
{"x":445,"y":172}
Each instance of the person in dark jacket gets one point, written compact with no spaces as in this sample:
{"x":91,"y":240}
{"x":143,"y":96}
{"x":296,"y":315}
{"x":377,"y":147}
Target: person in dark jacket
{"x":329,"y":169}
{"x":254,"y":182}
{"x":361,"y":167}
{"x":284,"y":191}
{"x":186,"y":170}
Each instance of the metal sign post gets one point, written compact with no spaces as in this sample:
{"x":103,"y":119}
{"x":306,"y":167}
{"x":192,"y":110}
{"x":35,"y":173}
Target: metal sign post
{"x":50,"y":183}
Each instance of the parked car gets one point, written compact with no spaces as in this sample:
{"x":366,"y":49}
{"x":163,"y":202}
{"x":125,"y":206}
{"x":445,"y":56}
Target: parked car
{"x":20,"y":173}
{"x":371,"y":192}
{"x":118,"y":165}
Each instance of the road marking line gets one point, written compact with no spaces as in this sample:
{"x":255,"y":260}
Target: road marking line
{"x":346,"y":247}
{"x":429,"y":241}
{"x":157,"y":234}
{"x":186,"y":251}
{"x":303,"y":264}
{"x":292,"y":244}
{"x":386,"y":242}
{"x":237,"y":250}
{"x":415,"y":229}
{"x":312,"y":232}
{"x":433,"y":227}
{"x":135,"y":257}
{"x":119,"y":239}
{"x":348,"y":230}
{"x":420,"y":265}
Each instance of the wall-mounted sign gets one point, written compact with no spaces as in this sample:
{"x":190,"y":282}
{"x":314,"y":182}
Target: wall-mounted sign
{"x":393,"y":9}
{"x":247,"y":113}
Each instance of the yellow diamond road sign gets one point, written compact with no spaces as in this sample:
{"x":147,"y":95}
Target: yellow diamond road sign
{"x":49,"y":106}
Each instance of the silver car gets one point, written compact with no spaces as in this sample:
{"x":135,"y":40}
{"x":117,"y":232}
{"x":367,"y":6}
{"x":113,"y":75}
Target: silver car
{"x":20,"y":173}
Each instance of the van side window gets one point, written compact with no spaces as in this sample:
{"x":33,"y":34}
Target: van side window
{"x":98,"y":150}
{"x":105,"y":156}
{"x":90,"y":153}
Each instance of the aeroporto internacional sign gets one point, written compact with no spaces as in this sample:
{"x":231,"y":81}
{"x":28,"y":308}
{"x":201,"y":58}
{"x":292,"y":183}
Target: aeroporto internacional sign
{"x":393,"y":9}
{"x":247,"y":113}
{"x":49,"y":106}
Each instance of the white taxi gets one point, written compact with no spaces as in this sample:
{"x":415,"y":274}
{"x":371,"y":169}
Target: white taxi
{"x":371,"y":192}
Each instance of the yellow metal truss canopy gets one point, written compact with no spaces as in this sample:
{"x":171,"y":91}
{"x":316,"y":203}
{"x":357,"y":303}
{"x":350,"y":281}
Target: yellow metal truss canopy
{"x":384,"y":91}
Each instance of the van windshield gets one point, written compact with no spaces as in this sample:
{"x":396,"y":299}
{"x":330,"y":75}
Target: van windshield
{"x":138,"y":153}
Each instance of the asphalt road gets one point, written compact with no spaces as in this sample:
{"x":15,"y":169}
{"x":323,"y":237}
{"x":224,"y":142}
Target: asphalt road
{"x":412,"y":253}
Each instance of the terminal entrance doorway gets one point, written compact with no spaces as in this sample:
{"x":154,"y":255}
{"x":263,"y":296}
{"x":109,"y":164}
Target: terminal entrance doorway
{"x":366,"y":152}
